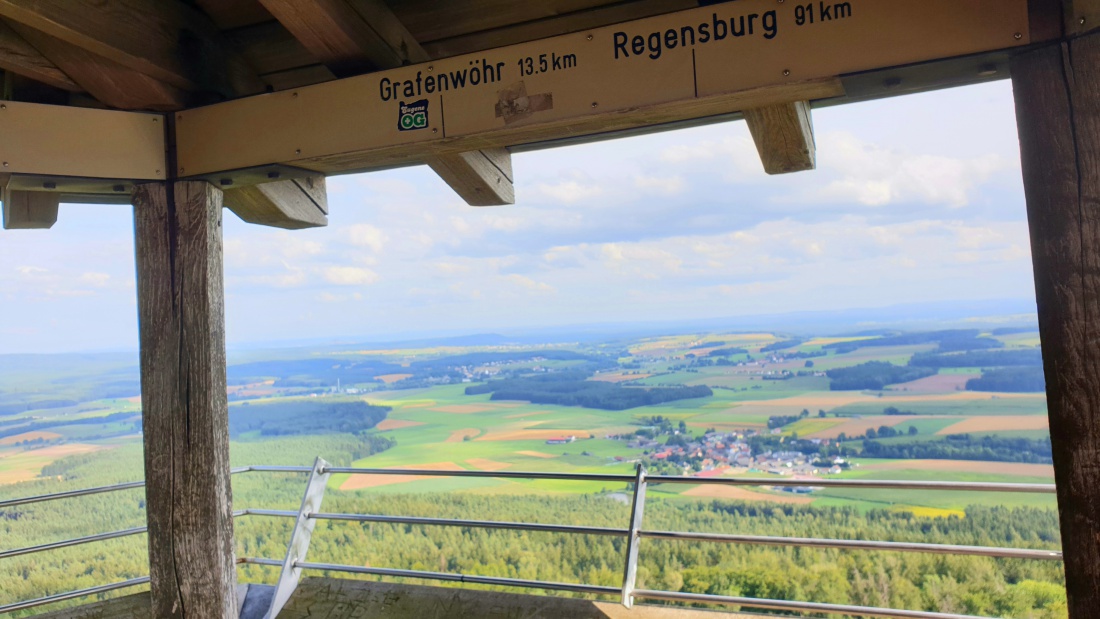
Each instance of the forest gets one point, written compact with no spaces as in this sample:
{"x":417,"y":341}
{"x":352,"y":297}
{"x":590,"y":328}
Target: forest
{"x":874,"y":375}
{"x":571,"y":389}
{"x":980,"y":359}
{"x":951,"y":340}
{"x":304,"y":417}
{"x":1014,"y":380}
{"x":965,"y":447}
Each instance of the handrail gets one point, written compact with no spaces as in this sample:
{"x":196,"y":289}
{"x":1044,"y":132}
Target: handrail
{"x":5,"y":554}
{"x":61,"y":597}
{"x":635,"y":534}
{"x":478,"y":524}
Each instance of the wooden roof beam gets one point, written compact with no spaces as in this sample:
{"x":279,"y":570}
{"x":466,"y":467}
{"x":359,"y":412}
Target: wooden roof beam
{"x":354,"y":36}
{"x":164,"y":39}
{"x":784,"y":136}
{"x":106,"y":80}
{"x":291,"y":204}
{"x":349,"y":36}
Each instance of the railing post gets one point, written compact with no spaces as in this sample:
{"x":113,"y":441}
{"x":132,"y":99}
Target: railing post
{"x":630,"y":574}
{"x":299,"y":539}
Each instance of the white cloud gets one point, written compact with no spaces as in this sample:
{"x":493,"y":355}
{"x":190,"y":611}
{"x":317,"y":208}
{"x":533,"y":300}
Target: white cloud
{"x":875,"y":175}
{"x":366,"y":235}
{"x":349,"y":276}
{"x":569,"y":192}
{"x":665,"y":185}
{"x":99,"y":280}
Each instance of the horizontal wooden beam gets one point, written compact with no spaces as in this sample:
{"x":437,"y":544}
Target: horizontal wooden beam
{"x":351,"y":36}
{"x":106,"y":80}
{"x":29,"y":210}
{"x":291,"y":204}
{"x":1081,"y":16}
{"x":631,"y":75}
{"x":80,"y":142}
{"x":20,"y":57}
{"x":165,"y":39}
{"x":784,"y":136}
{"x":480,"y":177}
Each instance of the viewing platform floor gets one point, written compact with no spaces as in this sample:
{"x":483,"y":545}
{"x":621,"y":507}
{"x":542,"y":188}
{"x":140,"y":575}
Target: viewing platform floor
{"x":333,"y":598}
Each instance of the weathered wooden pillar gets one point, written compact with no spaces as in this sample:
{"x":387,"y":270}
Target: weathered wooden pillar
{"x":1057,"y":91}
{"x":184,"y":408}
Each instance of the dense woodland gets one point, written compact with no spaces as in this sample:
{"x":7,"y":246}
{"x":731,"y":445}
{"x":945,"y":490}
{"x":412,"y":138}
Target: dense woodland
{"x":571,"y":389}
{"x":874,"y":375}
{"x":971,"y":585}
{"x":1018,"y":380}
{"x":965,"y":447}
{"x":304,"y":417}
{"x":980,"y":359}
{"x":951,"y":340}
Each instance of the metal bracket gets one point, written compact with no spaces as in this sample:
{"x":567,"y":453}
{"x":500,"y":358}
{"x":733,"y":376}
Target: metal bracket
{"x":630,"y":574}
{"x":299,"y":539}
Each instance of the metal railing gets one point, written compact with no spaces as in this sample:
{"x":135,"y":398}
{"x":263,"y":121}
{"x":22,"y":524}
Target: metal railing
{"x":309,"y":513}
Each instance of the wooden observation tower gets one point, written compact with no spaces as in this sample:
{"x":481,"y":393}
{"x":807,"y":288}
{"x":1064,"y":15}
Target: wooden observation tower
{"x":182,"y":107}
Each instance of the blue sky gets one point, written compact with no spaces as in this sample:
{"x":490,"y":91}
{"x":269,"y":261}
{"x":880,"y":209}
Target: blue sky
{"x":915,"y":199}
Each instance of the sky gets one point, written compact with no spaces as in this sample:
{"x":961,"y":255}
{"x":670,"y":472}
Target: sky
{"x":915,"y":199}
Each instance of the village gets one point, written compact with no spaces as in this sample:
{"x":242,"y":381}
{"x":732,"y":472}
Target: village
{"x":716,"y":454}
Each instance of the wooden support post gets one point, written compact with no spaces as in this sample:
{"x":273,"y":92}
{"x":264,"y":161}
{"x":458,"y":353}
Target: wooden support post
{"x":480,"y":177}
{"x":178,"y":228}
{"x":29,"y":210}
{"x":1057,"y":92}
{"x":784,"y":136}
{"x":291,"y":204}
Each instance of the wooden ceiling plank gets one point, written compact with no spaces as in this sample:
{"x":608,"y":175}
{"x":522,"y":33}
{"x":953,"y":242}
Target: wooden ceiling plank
{"x":296,"y":78}
{"x":289,"y":204}
{"x":521,"y":32}
{"x":338,"y":33}
{"x":269,"y":47}
{"x":229,"y":14}
{"x":109,"y":82}
{"x":429,"y":20}
{"x":20,"y":57}
{"x":165,"y":39}
{"x":784,"y":136}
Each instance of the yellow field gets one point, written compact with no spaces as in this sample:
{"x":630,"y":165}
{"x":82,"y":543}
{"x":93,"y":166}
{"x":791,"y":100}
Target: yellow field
{"x":857,"y":427}
{"x":460,"y":435}
{"x":967,"y":466}
{"x":527,"y":435}
{"x":998,"y":423}
{"x":395,"y":424}
{"x":20,"y":465}
{"x":462,"y":409}
{"x":488,"y":465}
{"x":357,"y":482}
{"x":741,"y":494}
{"x":393,"y":378}
{"x":29,"y":436}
